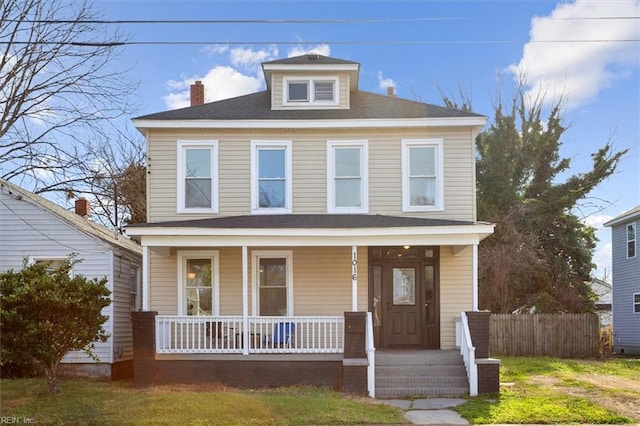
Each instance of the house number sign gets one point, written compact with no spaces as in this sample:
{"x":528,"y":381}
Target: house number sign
{"x":354,"y":265}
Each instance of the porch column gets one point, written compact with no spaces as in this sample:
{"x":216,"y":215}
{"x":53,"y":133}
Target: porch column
{"x":474,"y":278}
{"x":145,"y":278}
{"x":245,"y":301}
{"x":354,"y":278}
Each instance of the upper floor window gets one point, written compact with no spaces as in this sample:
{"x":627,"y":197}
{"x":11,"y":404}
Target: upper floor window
{"x":631,"y":240}
{"x":305,"y":91}
{"x":197,"y":176}
{"x":422,"y":175}
{"x":347,"y":177}
{"x":636,"y":303}
{"x":271,"y":177}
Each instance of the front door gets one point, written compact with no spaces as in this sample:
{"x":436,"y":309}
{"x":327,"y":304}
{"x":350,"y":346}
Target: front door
{"x":405,"y":297}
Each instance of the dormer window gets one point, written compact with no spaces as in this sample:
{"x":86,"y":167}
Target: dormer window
{"x":311,"y":91}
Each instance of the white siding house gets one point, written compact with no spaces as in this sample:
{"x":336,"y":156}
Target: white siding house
{"x":625,"y":231}
{"x":35,"y":228}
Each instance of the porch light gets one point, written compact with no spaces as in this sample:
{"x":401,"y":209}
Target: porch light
{"x":406,"y":247}
{"x":191,"y":275}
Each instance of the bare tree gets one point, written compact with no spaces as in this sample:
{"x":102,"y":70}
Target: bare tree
{"x":61,"y":97}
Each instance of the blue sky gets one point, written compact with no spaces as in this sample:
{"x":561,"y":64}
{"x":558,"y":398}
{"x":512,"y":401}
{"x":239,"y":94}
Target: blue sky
{"x":418,"y":47}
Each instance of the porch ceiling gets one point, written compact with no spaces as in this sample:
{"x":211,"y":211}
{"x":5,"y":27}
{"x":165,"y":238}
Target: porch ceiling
{"x":310,"y":230}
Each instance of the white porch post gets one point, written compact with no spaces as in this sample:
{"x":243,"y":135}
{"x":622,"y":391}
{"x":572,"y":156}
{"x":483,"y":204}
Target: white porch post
{"x":145,"y":278}
{"x":474,"y":278}
{"x":354,"y":278}
{"x":245,"y":301}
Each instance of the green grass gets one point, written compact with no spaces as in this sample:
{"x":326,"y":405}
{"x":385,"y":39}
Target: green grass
{"x":86,"y":402}
{"x":548,"y":391}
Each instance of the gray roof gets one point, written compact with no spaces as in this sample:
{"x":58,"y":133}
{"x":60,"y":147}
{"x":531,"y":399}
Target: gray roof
{"x":257,"y":106}
{"x":308,"y":221}
{"x":310,"y":59}
{"x":628,"y":216}
{"x":80,"y":223}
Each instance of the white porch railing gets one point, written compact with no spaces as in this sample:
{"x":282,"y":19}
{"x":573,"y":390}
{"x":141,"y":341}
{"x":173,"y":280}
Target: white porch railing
{"x":371,"y":357}
{"x":227,"y":334}
{"x":468,"y":351}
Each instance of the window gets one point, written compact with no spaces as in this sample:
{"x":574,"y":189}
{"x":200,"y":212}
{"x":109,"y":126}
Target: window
{"x":134,"y":285}
{"x":422,"y":181}
{"x":273,"y":283}
{"x":199,"y":277}
{"x":197,"y":177}
{"x":636,"y":303}
{"x":305,"y":91}
{"x":631,"y":240}
{"x":53,"y":262}
{"x":271,"y":177}
{"x":347,"y":177}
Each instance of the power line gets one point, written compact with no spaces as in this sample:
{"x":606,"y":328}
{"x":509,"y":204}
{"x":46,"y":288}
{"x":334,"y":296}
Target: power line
{"x":331,"y":42}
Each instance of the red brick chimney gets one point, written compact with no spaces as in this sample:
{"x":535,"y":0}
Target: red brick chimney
{"x":390,"y":91}
{"x":83,"y":207}
{"x":197,"y":93}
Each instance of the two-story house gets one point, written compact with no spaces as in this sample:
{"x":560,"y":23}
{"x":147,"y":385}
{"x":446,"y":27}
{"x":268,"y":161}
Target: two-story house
{"x":273,"y":215}
{"x":626,"y":281}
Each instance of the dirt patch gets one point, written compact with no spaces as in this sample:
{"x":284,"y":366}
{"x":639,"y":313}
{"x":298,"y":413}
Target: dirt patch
{"x":618,"y":394}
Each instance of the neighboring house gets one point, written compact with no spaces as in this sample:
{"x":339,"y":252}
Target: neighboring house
{"x":602,"y":289}
{"x":273,"y":215}
{"x":33,"y":227}
{"x":626,"y":281}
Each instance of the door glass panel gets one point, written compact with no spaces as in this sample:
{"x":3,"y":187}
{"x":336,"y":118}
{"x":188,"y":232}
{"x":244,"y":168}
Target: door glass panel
{"x":404,"y":286}
{"x":429,"y":296}
{"x":377,"y":294}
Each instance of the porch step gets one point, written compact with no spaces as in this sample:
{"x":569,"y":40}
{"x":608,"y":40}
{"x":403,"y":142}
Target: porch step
{"x":402,"y":374}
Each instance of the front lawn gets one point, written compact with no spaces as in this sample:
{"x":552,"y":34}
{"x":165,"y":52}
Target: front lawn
{"x":550,"y":391}
{"x":83,"y":402}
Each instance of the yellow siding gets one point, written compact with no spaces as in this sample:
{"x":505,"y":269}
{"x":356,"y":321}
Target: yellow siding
{"x":455,"y":291}
{"x":309,"y":170}
{"x":321,"y":281}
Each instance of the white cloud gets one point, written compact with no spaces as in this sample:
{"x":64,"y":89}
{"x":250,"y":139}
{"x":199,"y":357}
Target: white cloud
{"x":597,"y":221}
{"x":215,"y":49}
{"x":320,"y":49}
{"x":249,"y":59}
{"x":221,"y":82}
{"x":383,"y":83}
{"x":602,"y":259}
{"x":579,"y":70}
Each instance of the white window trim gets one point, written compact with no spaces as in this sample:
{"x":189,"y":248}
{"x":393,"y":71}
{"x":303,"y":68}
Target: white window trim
{"x":182,"y":145}
{"x":255,"y":193}
{"x":439,"y":158}
{"x":311,"y":80}
{"x":183,"y":256}
{"x":35,"y":259}
{"x":633,"y":303}
{"x":364,"y":175}
{"x":627,"y":240}
{"x":256,"y":255}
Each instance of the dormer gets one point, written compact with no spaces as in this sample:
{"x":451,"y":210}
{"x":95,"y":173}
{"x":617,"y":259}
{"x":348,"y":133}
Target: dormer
{"x":311,"y":81}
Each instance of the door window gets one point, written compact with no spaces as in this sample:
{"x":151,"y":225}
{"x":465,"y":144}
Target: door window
{"x":404,"y":286}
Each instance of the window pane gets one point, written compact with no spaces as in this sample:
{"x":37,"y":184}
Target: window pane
{"x":631,"y":249}
{"x":404,"y":286}
{"x":199,"y":301}
{"x":298,"y":91}
{"x":421,"y":162}
{"x":198,"y":163}
{"x":631,"y":232}
{"x":273,"y":301}
{"x":273,"y":272}
{"x":323,"y":90}
{"x":423,"y":191}
{"x":197,"y":193}
{"x":271,"y":193}
{"x":348,"y":193}
{"x":271,"y":163}
{"x":199,"y":273}
{"x":347,"y":162}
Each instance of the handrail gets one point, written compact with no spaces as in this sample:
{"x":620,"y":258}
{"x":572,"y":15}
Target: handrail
{"x":371,"y":357}
{"x":468,"y":352}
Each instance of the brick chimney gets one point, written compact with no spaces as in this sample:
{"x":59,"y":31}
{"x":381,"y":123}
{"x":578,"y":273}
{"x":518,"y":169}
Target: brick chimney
{"x":390,"y":91}
{"x":197,"y":93}
{"x":83,"y":207}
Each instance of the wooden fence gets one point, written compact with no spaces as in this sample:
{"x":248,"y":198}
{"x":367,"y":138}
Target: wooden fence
{"x":556,"y":335}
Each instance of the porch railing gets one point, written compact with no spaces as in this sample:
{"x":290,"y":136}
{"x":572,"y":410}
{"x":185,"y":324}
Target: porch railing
{"x":468,"y":351}
{"x":228,"y":335}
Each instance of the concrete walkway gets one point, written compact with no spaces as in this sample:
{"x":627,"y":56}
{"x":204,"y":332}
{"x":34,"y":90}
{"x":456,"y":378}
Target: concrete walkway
{"x":432,"y":411}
